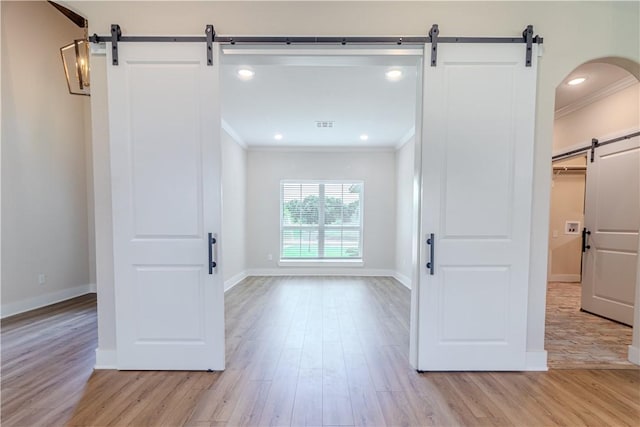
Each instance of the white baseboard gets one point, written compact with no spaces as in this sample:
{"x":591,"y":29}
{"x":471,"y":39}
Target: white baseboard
{"x":234,"y":280}
{"x":536,"y":361}
{"x":564,"y":278}
{"x":402,"y":279}
{"x":319,"y":271}
{"x":634,"y":355}
{"x":106,"y":359}
{"x":43,"y":300}
{"x":93,"y":288}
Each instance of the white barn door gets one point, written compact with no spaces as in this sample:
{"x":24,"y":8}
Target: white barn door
{"x":612,"y":216}
{"x":477,"y":174}
{"x":165,"y":165}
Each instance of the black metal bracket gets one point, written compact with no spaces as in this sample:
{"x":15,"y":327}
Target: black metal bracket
{"x":115,"y":38}
{"x":527,"y":34}
{"x":431,"y":241}
{"x":212,"y":263}
{"x":210,"y":37}
{"x":527,"y":38}
{"x":585,"y":233}
{"x":433,"y":35}
{"x":210,"y":34}
{"x":594,"y":145}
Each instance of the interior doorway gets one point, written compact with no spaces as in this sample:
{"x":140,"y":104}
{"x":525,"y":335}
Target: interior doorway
{"x":326,"y":143}
{"x":476,"y":177}
{"x":593,"y":236}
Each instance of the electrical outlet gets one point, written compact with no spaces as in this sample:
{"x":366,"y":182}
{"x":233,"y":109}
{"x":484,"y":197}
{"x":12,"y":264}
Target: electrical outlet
{"x":572,"y":227}
{"x":42,"y":279}
{"x":555,"y":234}
{"x":270,"y":257}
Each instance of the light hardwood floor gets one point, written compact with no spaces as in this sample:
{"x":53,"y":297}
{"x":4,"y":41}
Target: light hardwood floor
{"x":300,"y":351}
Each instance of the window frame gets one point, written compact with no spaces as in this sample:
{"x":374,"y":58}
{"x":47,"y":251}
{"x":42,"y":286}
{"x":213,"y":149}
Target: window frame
{"x":321,"y":227}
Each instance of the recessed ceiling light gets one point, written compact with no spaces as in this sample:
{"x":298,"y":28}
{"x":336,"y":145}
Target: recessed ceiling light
{"x":277,"y":136}
{"x":364,"y":137}
{"x":576,"y":81}
{"x":393,"y":75}
{"x":246,"y":74}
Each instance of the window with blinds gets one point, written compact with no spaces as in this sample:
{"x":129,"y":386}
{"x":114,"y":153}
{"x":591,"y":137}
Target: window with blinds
{"x":321,"y":220}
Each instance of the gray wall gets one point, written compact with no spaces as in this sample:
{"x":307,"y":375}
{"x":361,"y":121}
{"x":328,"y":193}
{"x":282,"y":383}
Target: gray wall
{"x":405,"y":169}
{"x":234,"y":210}
{"x":267,"y":168}
{"x":45,"y":227}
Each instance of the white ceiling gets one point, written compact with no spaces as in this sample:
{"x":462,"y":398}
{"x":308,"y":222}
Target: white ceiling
{"x":289,"y":94}
{"x":599,"y":76}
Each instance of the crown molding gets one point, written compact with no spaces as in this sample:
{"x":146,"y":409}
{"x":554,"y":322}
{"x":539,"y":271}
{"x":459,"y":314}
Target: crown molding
{"x":405,"y":138}
{"x":233,"y":134}
{"x":312,"y":149}
{"x":596,"y":96}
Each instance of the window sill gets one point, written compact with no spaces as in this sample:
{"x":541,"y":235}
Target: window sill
{"x":321,"y":263}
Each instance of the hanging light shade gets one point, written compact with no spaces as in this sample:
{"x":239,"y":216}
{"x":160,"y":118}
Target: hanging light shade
{"x":75,"y":59}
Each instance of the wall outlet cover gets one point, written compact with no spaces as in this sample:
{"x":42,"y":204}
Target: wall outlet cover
{"x":572,"y":227}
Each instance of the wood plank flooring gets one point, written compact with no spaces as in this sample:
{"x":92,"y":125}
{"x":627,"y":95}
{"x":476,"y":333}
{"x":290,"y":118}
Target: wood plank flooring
{"x":579,"y":340}
{"x":300,"y":351}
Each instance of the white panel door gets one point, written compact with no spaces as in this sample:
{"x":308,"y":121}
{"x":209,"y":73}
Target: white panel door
{"x":165,"y":165}
{"x":612,"y":216}
{"x":477,"y":169}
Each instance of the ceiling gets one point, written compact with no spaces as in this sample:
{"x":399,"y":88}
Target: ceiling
{"x":291,"y":92}
{"x":599,"y":76}
{"x":288,"y":95}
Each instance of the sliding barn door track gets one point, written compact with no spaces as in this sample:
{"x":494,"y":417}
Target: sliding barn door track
{"x":527,"y":38}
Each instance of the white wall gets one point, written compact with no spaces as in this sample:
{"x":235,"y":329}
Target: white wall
{"x":607,"y":117}
{"x":106,"y":351}
{"x":234,"y":211}
{"x":563,"y":24}
{"x":45,"y":228}
{"x":91,"y":214}
{"x":267,"y":168}
{"x":405,"y":157}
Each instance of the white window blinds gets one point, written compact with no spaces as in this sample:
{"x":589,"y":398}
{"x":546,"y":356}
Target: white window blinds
{"x":321,"y":220}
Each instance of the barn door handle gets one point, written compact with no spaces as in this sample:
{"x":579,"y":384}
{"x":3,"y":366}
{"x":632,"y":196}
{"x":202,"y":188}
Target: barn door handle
{"x":212,"y":263}
{"x":585,"y":234}
{"x":431,"y":241}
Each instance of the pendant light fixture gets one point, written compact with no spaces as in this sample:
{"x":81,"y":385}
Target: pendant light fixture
{"x":75,"y":59}
{"x":75,"y":55}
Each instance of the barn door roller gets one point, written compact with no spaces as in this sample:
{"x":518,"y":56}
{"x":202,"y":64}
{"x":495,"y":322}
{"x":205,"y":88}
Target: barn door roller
{"x":210,"y":37}
{"x":595,"y":143}
{"x":116,"y":37}
{"x":527,"y":38}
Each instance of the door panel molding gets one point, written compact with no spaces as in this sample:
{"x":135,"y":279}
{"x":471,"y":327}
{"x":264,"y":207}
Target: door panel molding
{"x":477,"y":173}
{"x":612,"y":215}
{"x":164,"y":119}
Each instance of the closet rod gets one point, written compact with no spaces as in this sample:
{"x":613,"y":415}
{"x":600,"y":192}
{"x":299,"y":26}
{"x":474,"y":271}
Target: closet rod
{"x":569,"y":168}
{"x":597,"y":144}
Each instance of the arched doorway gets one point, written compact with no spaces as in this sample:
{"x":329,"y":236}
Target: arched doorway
{"x":597,"y":100}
